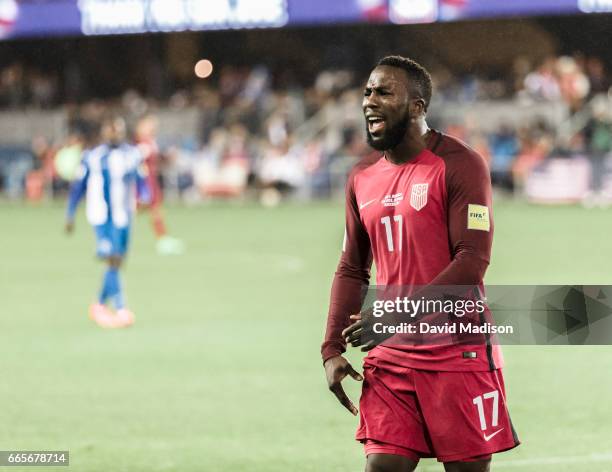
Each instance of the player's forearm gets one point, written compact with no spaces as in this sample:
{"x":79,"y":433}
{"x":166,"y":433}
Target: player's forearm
{"x":465,"y":269}
{"x":347,"y":294}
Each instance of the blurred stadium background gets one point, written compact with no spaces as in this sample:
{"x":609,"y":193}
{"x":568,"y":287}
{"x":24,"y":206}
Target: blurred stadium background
{"x":258,"y":111}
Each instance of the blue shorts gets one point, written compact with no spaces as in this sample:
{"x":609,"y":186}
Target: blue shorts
{"x":111,"y":240}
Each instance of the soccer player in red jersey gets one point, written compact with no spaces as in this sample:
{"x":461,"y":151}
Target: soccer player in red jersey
{"x":146,"y":130}
{"x":421,"y":210}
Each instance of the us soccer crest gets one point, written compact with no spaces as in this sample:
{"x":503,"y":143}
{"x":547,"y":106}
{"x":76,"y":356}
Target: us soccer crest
{"x":418,"y":196}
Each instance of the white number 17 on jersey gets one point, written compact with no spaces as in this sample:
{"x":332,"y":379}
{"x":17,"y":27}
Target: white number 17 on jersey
{"x":388,"y":230}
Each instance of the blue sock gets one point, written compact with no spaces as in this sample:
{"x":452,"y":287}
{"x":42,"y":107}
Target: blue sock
{"x":115,"y":292}
{"x":112,"y":288}
{"x":106,"y":284}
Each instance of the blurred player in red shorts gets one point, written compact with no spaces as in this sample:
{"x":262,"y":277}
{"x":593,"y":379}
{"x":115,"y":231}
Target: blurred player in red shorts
{"x":145,"y":134}
{"x":421,"y":210}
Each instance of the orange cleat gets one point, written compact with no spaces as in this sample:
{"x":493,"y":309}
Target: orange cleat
{"x":124,"y":318}
{"x":101,"y":315}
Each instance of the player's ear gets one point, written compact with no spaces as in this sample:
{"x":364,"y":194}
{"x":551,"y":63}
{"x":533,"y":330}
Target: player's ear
{"x":417,"y":107}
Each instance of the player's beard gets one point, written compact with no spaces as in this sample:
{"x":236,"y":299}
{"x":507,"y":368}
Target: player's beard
{"x":392,"y":136}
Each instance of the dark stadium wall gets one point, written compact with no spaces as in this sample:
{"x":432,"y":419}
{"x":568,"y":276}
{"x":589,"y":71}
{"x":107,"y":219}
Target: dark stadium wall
{"x":582,"y":33}
{"x":464,"y":46}
{"x":156,"y":64}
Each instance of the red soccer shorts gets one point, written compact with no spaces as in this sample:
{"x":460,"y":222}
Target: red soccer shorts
{"x":453,"y":416}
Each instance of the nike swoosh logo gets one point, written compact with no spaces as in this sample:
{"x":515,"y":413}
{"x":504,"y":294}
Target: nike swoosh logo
{"x":490,"y":436}
{"x":363,"y":205}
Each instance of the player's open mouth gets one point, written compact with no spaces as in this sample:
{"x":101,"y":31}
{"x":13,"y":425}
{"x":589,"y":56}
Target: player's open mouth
{"x":376,"y":123}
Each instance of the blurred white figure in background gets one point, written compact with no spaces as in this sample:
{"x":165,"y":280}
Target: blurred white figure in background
{"x":222,"y":167}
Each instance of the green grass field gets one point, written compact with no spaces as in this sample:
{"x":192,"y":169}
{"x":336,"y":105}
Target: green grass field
{"x":222,"y":371}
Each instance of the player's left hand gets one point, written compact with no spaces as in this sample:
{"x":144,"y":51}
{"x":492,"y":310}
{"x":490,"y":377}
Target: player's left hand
{"x":355,"y":334}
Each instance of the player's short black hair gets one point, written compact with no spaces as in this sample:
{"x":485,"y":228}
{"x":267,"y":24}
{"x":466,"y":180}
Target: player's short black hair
{"x":419,"y":76}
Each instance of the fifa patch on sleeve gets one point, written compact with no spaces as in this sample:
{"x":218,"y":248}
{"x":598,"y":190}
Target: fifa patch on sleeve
{"x":478,"y":217}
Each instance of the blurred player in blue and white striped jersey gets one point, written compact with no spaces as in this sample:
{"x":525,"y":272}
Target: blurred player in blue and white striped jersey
{"x":110,"y":176}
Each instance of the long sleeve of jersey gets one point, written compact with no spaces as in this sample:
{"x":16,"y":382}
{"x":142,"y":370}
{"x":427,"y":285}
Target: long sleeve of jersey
{"x":77,"y":190}
{"x":470,"y":222}
{"x":351,"y":279}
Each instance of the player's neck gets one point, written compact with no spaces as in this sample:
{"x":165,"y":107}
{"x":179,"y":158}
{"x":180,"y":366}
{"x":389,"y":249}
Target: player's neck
{"x":412,"y":145}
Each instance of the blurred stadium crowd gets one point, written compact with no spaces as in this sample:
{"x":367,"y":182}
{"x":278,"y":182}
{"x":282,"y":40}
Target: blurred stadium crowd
{"x":545,"y":129}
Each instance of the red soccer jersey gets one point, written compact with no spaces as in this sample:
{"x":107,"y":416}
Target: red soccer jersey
{"x":412,"y":220}
{"x":150,"y":152}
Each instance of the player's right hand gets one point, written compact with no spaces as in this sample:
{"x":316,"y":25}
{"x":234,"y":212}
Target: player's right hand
{"x":69,"y":227}
{"x":336,"y":368}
